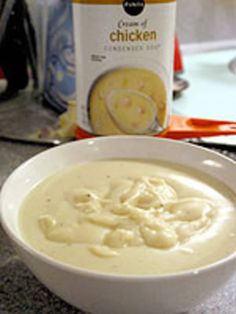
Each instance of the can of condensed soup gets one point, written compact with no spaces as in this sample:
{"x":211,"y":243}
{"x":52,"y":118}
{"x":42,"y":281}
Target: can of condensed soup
{"x":124,"y":65}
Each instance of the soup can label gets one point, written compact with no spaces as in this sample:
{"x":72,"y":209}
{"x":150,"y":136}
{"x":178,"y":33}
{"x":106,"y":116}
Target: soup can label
{"x":124,"y":65}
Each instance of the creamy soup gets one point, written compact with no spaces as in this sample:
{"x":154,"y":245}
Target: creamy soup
{"x":128,"y":101}
{"x":130,"y":217}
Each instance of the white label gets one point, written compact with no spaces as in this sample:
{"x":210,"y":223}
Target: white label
{"x":124,"y":67}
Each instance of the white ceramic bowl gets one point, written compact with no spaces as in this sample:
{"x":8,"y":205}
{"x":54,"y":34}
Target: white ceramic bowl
{"x":106,"y":293}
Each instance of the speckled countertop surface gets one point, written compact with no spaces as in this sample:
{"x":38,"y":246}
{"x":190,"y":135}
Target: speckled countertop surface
{"x":20,"y":291}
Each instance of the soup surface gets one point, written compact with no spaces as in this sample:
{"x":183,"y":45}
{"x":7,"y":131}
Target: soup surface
{"x":128,"y":101}
{"x":130,"y":217}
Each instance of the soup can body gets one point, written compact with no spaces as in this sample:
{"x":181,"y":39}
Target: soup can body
{"x":124,"y":65}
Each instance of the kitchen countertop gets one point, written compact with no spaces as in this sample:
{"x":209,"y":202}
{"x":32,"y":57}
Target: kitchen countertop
{"x":212,"y":91}
{"x":20,"y":291}
{"x":212,"y":86}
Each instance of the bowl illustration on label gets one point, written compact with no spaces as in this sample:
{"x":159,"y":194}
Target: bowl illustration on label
{"x":128,"y":101}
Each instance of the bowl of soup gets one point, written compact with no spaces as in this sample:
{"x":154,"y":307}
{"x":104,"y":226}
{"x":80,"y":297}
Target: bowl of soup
{"x":125,"y":224}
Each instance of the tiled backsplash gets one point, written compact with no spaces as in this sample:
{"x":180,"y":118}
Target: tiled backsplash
{"x":206,"y":20}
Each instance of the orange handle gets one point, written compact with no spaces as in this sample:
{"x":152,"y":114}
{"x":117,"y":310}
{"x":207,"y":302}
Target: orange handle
{"x":183,"y":127}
